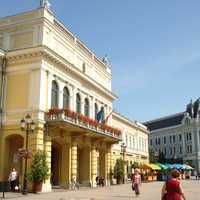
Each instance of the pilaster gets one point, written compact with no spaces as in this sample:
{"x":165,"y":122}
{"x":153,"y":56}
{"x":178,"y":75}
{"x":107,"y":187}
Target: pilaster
{"x":93,"y":165}
{"x":74,"y":160}
{"x":46,"y":187}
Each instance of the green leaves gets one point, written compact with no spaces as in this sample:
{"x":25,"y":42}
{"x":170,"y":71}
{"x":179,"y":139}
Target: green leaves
{"x":39,"y":168}
{"x":119,"y":169}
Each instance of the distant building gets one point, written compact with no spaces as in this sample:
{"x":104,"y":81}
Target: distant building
{"x":178,"y":135}
{"x":135,"y":137}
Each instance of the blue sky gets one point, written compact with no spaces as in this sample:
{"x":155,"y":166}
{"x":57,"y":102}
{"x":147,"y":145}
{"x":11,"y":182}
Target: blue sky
{"x":154,"y":46}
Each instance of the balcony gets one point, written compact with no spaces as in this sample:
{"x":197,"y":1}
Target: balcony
{"x":75,"y":122}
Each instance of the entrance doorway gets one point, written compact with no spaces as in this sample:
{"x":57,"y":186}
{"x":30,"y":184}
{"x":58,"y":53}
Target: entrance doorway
{"x":12,"y":160}
{"x":55,"y":163}
{"x":83,"y":166}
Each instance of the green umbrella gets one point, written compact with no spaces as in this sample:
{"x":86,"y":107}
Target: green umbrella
{"x":162,"y":166}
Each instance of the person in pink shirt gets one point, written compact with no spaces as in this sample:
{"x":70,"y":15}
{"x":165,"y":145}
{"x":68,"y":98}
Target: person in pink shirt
{"x":136,"y":182}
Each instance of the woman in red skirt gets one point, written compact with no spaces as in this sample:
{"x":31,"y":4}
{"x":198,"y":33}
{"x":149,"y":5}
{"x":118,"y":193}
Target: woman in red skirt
{"x":172,"y":189}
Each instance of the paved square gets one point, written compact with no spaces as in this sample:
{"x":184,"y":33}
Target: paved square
{"x":150,"y":191}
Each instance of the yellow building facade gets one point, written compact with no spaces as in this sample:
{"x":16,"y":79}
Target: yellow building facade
{"x":135,"y":139}
{"x":50,"y":74}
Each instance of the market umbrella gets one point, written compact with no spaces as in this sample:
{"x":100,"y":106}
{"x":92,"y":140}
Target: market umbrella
{"x":188,"y":167}
{"x":169,"y":166}
{"x":162,"y":166}
{"x":178,"y":166}
{"x":151,"y":166}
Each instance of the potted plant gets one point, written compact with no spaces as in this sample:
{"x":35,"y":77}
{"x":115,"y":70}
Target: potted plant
{"x":119,"y":171}
{"x":39,"y":171}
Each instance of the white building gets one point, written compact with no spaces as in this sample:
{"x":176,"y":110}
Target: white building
{"x":178,"y":135}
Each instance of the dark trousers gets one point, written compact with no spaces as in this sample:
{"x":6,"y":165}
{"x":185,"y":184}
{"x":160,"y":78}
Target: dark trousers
{"x":13,"y":184}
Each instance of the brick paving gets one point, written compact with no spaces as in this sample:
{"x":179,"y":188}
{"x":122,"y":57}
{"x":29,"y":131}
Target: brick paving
{"x":150,"y":191}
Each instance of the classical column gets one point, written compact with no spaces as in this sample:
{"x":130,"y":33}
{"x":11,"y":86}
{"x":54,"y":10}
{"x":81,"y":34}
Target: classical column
{"x":74,"y":160}
{"x":93,"y":165}
{"x":108,"y":165}
{"x":92,"y":108}
{"x":46,"y":187}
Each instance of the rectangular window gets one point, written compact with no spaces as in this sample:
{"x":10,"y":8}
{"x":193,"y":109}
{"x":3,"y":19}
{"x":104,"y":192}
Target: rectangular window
{"x":180,"y":137}
{"x":164,"y":140}
{"x":165,"y":151}
{"x":158,"y":141}
{"x":180,"y":150}
{"x":190,"y":136}
{"x":174,"y":138}
{"x":189,"y":149}
{"x":170,"y":151}
{"x":151,"y":142}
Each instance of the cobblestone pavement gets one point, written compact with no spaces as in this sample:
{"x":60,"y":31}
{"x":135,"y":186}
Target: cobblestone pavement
{"x":150,"y":191}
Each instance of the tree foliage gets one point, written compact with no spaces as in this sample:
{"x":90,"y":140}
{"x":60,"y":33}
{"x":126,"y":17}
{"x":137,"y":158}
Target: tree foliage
{"x":39,"y":168}
{"x":152,"y":157}
{"x":119,"y":169}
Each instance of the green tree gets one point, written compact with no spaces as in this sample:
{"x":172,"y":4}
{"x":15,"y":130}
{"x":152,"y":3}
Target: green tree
{"x":119,"y":170}
{"x":152,"y":157}
{"x":135,"y":165}
{"x":39,"y":168}
{"x":161,"y":157}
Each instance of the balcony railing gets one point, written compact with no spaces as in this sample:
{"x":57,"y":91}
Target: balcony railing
{"x":82,"y":121}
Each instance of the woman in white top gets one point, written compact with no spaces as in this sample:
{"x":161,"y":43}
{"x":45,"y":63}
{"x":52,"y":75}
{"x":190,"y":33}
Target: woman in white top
{"x":13,"y":178}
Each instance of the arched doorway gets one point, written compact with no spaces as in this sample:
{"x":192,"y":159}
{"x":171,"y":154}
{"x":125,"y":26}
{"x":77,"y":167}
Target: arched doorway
{"x":12,"y":160}
{"x":55,"y":163}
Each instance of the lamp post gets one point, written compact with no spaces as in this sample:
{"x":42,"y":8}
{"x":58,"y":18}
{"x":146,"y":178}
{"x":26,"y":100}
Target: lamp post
{"x":27,"y":125}
{"x":123,"y":150}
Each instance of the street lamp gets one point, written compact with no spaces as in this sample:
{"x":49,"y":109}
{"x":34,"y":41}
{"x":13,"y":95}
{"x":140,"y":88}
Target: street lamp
{"x":123,"y":150}
{"x":28,"y":125}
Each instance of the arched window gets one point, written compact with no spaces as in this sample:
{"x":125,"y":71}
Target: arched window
{"x":54,"y":94}
{"x":86,"y":107}
{"x":66,"y":97}
{"x":96,"y":110}
{"x":78,"y":103}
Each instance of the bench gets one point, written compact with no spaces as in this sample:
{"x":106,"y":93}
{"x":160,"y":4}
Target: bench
{"x":4,"y":187}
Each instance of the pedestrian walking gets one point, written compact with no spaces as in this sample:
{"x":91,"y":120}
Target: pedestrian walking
{"x":172,"y":189}
{"x":13,"y":178}
{"x":136,"y":182}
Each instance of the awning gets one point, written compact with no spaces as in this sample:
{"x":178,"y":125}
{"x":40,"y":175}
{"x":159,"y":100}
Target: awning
{"x":162,"y":166}
{"x":151,"y":166}
{"x":169,"y":166}
{"x":178,"y":166}
{"x":188,"y":167}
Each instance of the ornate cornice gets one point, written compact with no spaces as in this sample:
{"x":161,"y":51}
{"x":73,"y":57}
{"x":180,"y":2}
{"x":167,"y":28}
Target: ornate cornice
{"x":134,"y":124}
{"x":50,"y":55}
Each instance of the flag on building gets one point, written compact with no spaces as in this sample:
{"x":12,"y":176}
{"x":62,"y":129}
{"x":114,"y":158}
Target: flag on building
{"x":106,"y":120}
{"x":100,"y":115}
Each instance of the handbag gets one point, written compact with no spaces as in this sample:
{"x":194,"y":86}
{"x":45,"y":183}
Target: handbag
{"x":133,"y":188}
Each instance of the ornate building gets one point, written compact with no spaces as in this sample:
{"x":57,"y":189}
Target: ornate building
{"x":135,"y":138}
{"x":49,"y":73}
{"x":178,"y":135}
